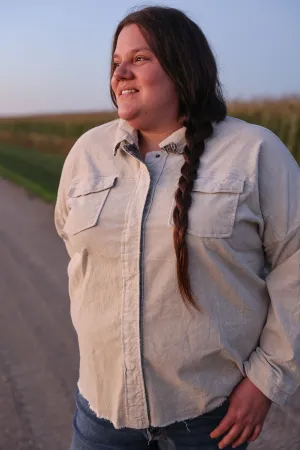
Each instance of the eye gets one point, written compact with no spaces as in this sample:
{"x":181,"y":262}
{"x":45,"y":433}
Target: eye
{"x":116,"y":64}
{"x":140,"y":58}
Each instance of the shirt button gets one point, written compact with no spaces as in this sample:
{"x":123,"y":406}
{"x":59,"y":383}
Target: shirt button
{"x":157,"y":155}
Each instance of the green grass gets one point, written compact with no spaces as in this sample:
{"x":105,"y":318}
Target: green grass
{"x":37,"y":172}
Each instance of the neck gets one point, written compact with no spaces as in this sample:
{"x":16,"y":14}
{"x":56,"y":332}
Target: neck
{"x":149,"y":140}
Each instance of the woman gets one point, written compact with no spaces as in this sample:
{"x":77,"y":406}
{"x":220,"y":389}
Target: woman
{"x":170,"y":215}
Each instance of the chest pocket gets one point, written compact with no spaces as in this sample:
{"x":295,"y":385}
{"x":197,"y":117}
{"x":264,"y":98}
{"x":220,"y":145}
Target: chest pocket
{"x":213,"y":209}
{"x":86,"y":200}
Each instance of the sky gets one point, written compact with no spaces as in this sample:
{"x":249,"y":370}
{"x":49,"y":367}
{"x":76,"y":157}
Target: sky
{"x":55,"y":54}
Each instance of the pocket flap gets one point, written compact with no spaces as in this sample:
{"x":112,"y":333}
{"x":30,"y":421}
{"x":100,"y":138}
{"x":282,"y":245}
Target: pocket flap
{"x":93,"y":185}
{"x":211,"y":185}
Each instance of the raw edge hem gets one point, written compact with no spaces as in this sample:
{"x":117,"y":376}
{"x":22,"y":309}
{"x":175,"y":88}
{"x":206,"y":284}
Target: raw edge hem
{"x":166,"y":424}
{"x":190,"y":416}
{"x":94,"y":410}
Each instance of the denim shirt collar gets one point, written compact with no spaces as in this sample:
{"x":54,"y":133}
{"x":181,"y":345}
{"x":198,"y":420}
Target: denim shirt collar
{"x":126,"y":134}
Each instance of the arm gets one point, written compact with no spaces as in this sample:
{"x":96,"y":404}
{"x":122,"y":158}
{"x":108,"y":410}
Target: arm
{"x":61,"y":209}
{"x":274,"y":367}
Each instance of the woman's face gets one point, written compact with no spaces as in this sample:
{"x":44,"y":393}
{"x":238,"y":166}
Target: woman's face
{"x":154,"y":103}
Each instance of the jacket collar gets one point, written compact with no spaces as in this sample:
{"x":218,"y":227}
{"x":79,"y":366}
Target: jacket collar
{"x":125,"y":133}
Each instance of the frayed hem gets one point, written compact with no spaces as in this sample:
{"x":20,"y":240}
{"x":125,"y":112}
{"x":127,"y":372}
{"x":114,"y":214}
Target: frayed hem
{"x":184,"y":418}
{"x":190,"y":416}
{"x":94,"y":410}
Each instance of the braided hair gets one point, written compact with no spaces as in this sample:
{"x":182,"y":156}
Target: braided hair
{"x":184,"y":53}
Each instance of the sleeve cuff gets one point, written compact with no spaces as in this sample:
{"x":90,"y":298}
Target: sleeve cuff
{"x":265,"y":378}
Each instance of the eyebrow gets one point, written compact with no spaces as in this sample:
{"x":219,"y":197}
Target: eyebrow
{"x":135,"y":50}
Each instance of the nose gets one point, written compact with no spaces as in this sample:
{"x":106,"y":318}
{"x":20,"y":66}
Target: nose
{"x":122,"y":71}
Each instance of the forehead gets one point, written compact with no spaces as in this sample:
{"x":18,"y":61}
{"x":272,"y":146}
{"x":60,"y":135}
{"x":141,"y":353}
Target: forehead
{"x":130,"y":38}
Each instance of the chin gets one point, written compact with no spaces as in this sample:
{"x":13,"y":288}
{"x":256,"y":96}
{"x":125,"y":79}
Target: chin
{"x":132,"y":117}
{"x":125,"y":113}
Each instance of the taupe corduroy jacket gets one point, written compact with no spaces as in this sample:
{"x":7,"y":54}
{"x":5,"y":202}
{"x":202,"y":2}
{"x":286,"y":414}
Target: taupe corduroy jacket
{"x":144,"y":358}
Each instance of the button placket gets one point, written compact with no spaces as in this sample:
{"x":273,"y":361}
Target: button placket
{"x":136,"y":402}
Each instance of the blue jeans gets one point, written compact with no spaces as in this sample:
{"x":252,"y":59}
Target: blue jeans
{"x":92,"y":433}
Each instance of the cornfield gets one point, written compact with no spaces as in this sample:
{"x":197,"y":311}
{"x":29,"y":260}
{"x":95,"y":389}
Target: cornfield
{"x":280,"y":116}
{"x":50,"y":133}
{"x":56,"y":134}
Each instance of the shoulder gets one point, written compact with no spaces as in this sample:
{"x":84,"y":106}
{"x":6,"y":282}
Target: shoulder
{"x":92,"y":153}
{"x":93,"y":142}
{"x":252,"y":143}
{"x":245,"y":132}
{"x":107,"y":129}
{"x":102,"y":134}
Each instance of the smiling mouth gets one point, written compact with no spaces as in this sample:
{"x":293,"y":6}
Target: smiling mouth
{"x":128,"y":94}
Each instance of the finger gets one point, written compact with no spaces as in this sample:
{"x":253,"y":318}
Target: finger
{"x":255,"y":434}
{"x":226,"y":423}
{"x":248,"y":430}
{"x":234,"y":433}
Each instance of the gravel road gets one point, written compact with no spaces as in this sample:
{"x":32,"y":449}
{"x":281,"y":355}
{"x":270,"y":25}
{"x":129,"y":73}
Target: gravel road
{"x":38,"y":346}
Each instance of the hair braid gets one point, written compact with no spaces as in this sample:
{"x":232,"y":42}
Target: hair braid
{"x":184,"y":53}
{"x":195,"y":136}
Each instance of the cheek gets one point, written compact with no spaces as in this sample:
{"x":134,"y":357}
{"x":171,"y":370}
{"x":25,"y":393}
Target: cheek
{"x":159,"y":81}
{"x":113,"y":84}
{"x":165,"y":92}
{"x":151,"y":75}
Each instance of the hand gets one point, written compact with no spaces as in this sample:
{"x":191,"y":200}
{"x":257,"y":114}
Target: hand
{"x":245,"y":416}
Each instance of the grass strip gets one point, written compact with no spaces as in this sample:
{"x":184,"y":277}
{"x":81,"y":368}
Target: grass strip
{"x":37,"y":172}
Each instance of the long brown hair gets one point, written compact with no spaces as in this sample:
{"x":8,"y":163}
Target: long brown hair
{"x":184,"y":53}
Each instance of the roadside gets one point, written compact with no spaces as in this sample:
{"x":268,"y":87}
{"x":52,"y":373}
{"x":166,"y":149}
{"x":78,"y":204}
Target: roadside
{"x":38,"y":345}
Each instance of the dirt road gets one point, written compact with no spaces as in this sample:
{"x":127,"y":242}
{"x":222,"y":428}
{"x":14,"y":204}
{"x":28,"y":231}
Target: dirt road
{"x":38,"y":346}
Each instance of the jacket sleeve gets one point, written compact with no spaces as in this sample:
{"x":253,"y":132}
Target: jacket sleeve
{"x":61,"y":208}
{"x":274,"y":366}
